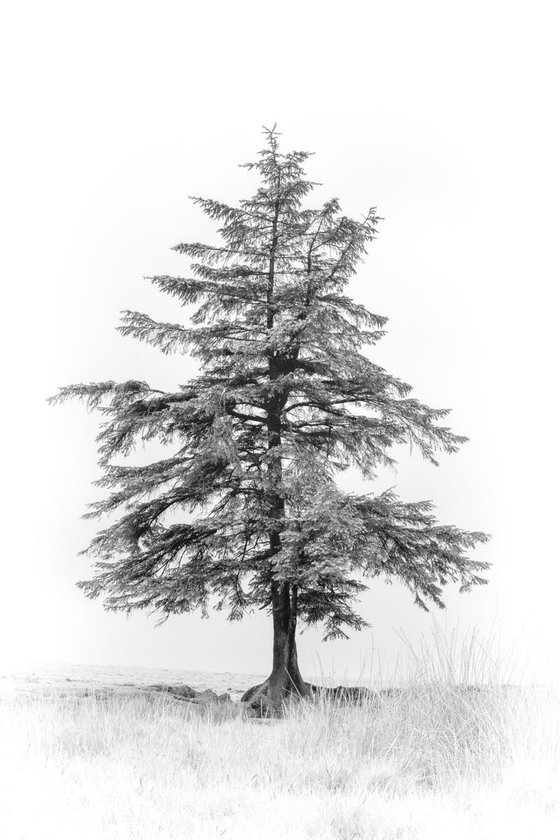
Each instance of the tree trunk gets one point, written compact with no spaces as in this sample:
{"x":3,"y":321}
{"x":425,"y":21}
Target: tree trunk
{"x":285,"y":679}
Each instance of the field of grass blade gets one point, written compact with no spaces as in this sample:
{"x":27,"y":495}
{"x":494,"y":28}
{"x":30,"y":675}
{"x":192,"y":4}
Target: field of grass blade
{"x":435,"y":759}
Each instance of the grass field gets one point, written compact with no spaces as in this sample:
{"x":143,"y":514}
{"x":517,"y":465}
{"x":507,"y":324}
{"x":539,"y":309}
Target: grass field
{"x":432,"y":761}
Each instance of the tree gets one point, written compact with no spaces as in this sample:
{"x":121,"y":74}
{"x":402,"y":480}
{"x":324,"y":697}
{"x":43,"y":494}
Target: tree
{"x":247,"y":511}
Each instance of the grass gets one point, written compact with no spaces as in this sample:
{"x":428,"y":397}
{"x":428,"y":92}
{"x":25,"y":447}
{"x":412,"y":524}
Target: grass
{"x":434,"y":760}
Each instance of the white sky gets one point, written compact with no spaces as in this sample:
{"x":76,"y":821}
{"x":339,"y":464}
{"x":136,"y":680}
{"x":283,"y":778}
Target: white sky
{"x":444,"y":115}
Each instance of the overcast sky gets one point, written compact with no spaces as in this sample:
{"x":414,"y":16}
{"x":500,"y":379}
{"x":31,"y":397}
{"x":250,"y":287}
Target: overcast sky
{"x":443,"y":115}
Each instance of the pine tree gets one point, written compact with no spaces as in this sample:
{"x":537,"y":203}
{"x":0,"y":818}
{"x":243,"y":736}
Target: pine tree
{"x":246,"y":513}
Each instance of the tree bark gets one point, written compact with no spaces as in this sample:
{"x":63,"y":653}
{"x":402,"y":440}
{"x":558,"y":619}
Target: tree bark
{"x":285,"y":679}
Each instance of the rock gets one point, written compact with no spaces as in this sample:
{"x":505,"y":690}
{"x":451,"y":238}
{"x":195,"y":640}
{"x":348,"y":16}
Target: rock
{"x":349,"y":693}
{"x":224,"y":698}
{"x":209,"y":697}
{"x":206,"y":697}
{"x":181,"y":692}
{"x":190,"y":695}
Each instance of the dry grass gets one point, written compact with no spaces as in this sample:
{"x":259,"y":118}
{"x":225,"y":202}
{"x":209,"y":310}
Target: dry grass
{"x":432,"y":761}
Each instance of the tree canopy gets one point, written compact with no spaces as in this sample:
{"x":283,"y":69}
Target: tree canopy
{"x":246,"y":511}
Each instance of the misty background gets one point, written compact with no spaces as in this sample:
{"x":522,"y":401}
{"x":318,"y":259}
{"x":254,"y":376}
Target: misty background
{"x":442,"y":115}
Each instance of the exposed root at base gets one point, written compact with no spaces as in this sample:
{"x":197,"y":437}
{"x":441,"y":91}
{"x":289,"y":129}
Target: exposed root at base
{"x":262,"y":701}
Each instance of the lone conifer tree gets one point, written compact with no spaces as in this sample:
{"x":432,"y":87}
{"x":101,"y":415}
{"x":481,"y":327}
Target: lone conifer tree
{"x":247,"y":511}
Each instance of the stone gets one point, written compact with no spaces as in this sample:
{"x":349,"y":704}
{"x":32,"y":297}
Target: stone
{"x":224,"y":698}
{"x":209,"y":697}
{"x":181,"y":692}
{"x":348,"y":693}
